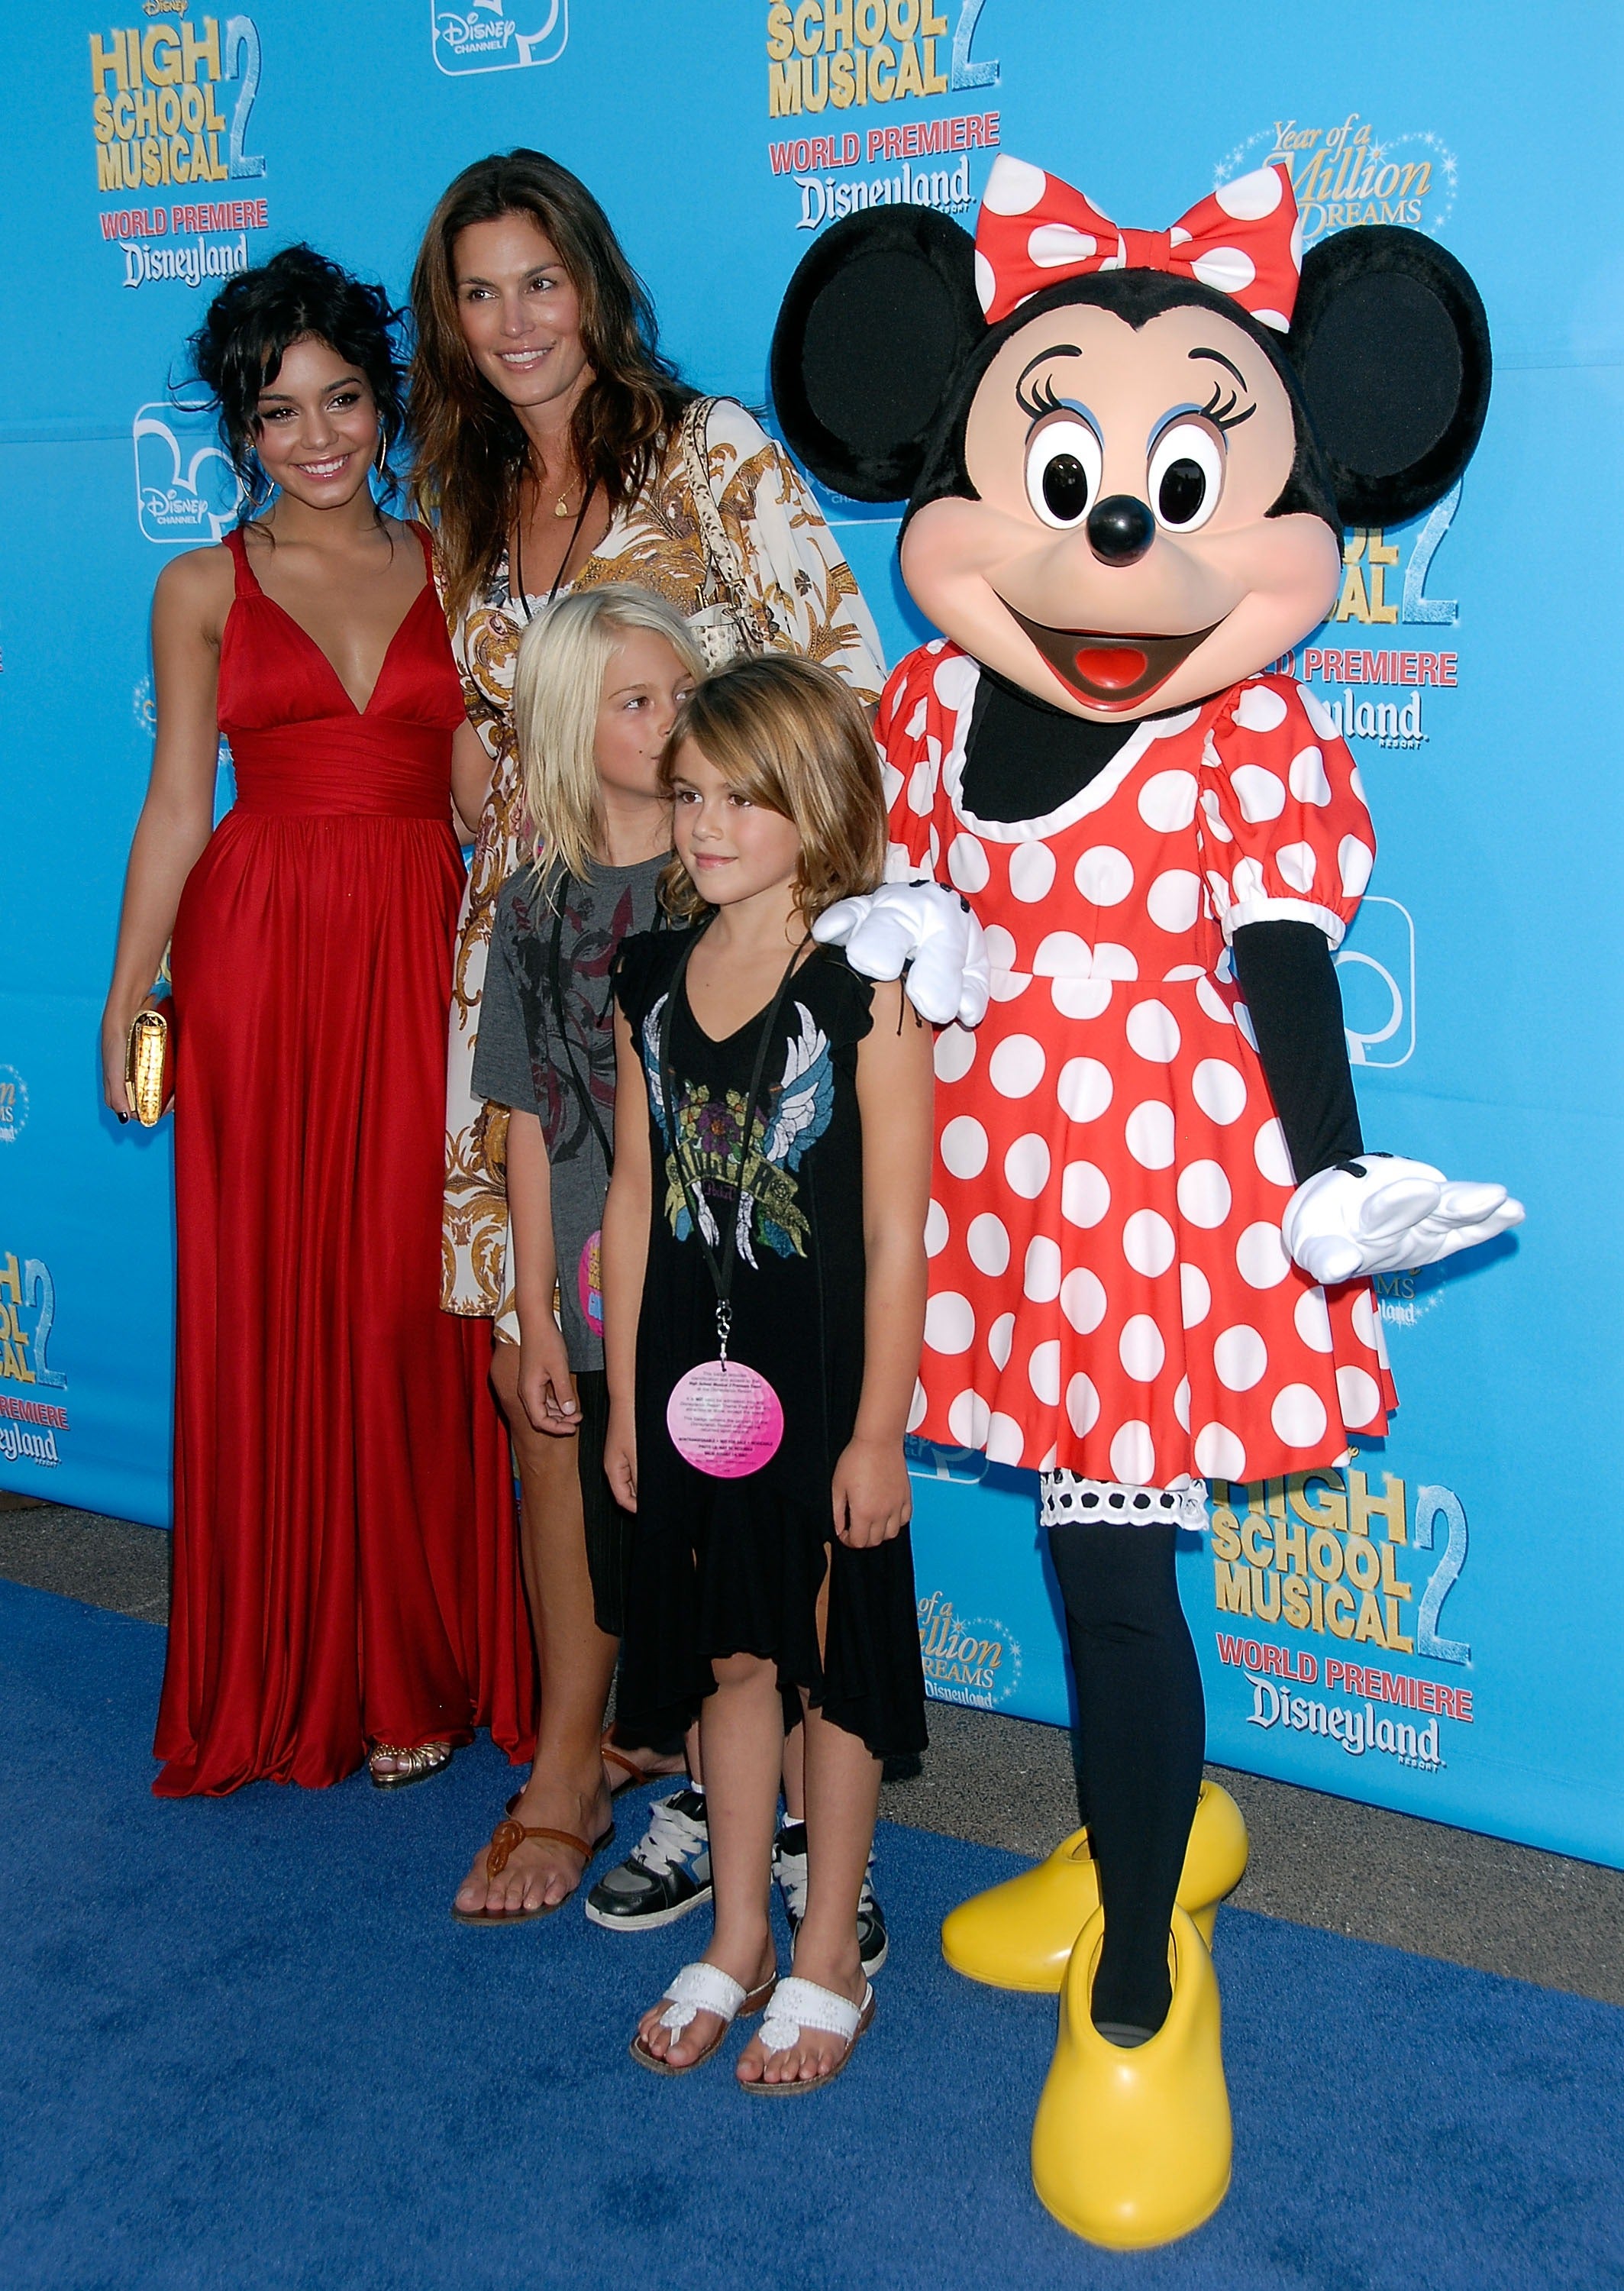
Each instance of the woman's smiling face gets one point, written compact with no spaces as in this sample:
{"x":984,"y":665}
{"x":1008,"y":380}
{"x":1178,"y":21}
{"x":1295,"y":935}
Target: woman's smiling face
{"x":1121,"y":560}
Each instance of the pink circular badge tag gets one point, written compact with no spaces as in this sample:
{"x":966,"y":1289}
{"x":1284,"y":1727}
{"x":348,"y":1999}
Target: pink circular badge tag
{"x":725,"y":1420}
{"x":588,"y":1283}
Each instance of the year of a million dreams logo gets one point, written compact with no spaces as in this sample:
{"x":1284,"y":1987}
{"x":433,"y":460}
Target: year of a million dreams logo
{"x":968,"y":1658}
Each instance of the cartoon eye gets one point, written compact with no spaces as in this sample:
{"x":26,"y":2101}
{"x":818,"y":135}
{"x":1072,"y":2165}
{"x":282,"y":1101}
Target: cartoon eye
{"x":1064,"y":461}
{"x":1186,"y":476}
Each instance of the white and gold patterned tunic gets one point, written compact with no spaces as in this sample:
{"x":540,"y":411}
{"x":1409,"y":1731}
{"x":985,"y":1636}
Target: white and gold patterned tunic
{"x":797,"y":576}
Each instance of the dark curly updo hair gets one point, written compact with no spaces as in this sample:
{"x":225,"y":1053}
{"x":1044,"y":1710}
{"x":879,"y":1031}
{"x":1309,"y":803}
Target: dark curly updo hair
{"x":237,"y":352}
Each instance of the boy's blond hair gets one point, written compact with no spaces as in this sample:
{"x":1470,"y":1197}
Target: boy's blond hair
{"x":563,"y":658}
{"x":795,"y":740}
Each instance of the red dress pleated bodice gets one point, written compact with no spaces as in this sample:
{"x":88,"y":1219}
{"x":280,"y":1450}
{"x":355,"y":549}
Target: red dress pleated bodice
{"x":346,"y":1568}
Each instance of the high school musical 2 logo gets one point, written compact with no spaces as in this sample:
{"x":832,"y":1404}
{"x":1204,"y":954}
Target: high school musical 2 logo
{"x":178,"y":151}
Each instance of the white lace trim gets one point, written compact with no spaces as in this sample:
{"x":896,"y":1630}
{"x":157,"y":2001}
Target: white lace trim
{"x":1066,"y":1497}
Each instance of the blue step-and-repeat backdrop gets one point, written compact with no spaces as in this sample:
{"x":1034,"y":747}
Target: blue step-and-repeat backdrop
{"x":1439,"y":1629}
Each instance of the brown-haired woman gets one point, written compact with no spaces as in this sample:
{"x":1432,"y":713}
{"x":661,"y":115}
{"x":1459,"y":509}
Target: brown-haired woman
{"x":558,"y":450}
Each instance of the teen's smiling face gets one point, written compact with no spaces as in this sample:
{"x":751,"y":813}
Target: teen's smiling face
{"x":1121,"y":560}
{"x":316,"y":426}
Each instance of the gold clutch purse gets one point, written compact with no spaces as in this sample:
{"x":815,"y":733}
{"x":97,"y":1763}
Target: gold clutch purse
{"x":147,"y":1065}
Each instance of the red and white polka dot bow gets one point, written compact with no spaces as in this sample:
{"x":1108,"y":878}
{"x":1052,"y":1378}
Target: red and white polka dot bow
{"x":1245,"y":239}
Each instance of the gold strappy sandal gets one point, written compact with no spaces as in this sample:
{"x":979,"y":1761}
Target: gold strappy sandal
{"x":416,"y":1765}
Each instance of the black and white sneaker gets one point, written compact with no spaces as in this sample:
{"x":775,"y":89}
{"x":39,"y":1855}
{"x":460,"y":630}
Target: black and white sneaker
{"x":790,"y":1876}
{"x":666,"y":1874}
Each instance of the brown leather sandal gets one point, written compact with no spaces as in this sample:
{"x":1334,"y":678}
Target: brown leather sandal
{"x":506,"y":1839}
{"x":631,"y":1773}
{"x":612,"y":1756}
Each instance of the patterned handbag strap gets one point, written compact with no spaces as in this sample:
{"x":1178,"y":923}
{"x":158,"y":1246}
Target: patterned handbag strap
{"x":727,"y":571}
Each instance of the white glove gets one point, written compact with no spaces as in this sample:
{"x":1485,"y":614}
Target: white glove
{"x":924,"y":925}
{"x":1392,"y":1216}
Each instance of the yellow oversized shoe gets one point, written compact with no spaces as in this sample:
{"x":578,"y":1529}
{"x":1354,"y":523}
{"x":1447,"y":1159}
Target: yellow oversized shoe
{"x":1131,"y":2148}
{"x":1020,"y":1934}
{"x":1214,"y":1860}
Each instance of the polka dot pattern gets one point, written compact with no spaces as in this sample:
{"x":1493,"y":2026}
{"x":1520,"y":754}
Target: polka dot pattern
{"x":988,"y":1242}
{"x":1104,"y":875}
{"x":1109,"y":1293}
{"x":1148,"y":1243}
{"x":1174,"y":900}
{"x":967,"y":864}
{"x":1150,"y":1134}
{"x":1032,"y":872}
{"x":1017,"y":1065}
{"x":955,"y":1053}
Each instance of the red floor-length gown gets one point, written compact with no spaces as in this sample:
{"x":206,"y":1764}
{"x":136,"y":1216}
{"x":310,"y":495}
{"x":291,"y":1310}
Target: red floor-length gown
{"x":346,"y":1567}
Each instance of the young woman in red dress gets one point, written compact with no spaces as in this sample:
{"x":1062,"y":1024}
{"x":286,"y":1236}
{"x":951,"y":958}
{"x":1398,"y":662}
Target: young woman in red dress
{"x":346,"y":1569}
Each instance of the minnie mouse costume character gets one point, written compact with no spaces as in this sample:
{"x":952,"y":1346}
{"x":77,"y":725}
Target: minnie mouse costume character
{"x":1130,"y":457}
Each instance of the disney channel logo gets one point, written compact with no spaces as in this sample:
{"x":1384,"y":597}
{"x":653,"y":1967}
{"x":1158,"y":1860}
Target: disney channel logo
{"x":186,"y":490}
{"x":1375,"y":967}
{"x":483,"y":36}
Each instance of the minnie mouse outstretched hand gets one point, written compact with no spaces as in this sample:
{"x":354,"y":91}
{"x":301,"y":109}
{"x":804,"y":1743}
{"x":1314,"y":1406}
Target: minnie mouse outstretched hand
{"x":1385,"y":1213}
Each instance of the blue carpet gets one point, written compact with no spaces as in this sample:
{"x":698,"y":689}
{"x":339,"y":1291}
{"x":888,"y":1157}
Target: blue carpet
{"x":241,"y":2043}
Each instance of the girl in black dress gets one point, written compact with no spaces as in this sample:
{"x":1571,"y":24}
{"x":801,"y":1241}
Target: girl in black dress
{"x":764,"y":1289}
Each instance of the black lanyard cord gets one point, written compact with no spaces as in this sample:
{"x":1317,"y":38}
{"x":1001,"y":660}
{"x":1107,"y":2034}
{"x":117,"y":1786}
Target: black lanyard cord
{"x":516,"y":585}
{"x":722,"y":1270}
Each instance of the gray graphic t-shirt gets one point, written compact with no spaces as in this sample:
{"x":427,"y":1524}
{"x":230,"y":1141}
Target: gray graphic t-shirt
{"x":552,"y":947}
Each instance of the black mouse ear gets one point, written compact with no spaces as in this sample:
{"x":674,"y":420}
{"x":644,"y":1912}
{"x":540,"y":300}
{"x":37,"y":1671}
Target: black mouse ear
{"x":881,"y":313}
{"x":1391,"y":344}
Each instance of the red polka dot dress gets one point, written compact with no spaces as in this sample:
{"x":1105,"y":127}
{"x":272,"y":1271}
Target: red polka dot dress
{"x":1109,"y":1292}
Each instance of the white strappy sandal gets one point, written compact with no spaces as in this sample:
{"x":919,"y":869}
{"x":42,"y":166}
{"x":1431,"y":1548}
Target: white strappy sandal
{"x":704,"y":1989}
{"x":799,"y":2004}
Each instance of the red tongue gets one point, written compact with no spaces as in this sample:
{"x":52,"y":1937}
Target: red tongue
{"x":1111,"y":667}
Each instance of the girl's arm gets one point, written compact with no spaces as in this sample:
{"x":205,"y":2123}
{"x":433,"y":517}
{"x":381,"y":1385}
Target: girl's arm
{"x":625,"y":1259}
{"x":544,"y":1384}
{"x":470,"y":779}
{"x":895,"y":1086}
{"x":189,"y":610}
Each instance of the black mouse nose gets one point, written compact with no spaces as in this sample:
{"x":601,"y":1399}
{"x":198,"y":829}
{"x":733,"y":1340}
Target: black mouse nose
{"x":1121,"y":529}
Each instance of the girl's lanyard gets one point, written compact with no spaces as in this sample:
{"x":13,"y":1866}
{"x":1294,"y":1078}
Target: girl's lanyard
{"x":723,"y":1417}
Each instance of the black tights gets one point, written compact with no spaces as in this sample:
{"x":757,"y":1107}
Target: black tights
{"x":1142,"y":1734}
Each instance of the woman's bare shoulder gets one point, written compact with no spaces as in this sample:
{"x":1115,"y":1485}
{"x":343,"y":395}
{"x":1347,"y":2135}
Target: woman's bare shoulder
{"x":197,"y":585}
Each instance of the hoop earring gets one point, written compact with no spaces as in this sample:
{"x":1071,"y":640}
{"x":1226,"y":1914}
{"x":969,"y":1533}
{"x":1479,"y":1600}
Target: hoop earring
{"x":381,"y":456}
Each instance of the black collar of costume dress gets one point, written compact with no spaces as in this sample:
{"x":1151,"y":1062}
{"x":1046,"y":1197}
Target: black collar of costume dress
{"x":1024,"y":759}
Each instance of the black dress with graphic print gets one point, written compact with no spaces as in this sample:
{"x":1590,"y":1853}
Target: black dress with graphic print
{"x":724,"y":1567}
